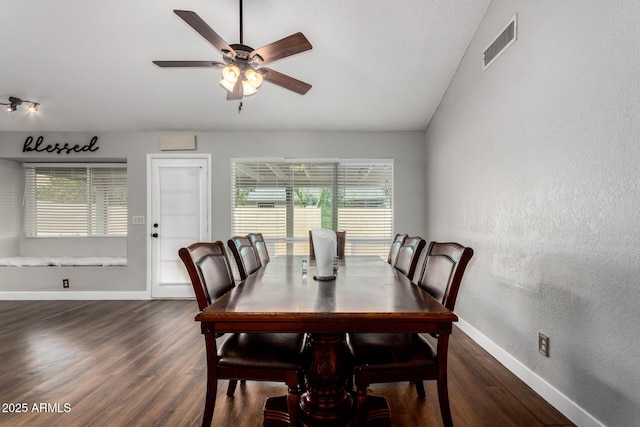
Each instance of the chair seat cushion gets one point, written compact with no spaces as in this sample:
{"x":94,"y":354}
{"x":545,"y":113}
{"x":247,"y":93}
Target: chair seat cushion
{"x":267,"y":351}
{"x":372,"y":351}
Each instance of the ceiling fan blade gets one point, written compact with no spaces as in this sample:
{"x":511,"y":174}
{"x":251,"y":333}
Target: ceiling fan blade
{"x":237,"y":91}
{"x":192,"y":64}
{"x":285,"y":81}
{"x":205,"y":30}
{"x":294,"y":44}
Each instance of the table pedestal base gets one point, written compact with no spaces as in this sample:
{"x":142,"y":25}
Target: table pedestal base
{"x":276,"y":415}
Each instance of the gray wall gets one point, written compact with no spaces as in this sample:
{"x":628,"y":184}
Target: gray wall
{"x":534,"y":163}
{"x":406,"y":148}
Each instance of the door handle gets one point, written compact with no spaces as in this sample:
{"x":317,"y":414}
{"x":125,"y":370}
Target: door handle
{"x":154,"y":235}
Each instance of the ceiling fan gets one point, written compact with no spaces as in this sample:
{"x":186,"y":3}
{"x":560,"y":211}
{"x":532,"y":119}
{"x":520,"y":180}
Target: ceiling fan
{"x":242,"y":69}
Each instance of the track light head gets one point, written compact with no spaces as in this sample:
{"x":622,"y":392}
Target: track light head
{"x":15,"y":102}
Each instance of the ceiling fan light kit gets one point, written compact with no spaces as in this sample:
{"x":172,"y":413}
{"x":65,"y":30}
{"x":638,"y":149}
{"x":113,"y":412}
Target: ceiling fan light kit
{"x":15,"y":102}
{"x":242,"y":70}
{"x":250,"y":79}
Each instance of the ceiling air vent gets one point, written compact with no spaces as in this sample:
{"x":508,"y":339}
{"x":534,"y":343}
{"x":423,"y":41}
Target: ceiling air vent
{"x":501,"y":43}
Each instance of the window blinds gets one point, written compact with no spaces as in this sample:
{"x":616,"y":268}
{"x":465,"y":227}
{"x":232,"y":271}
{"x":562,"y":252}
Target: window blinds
{"x":284,"y":200}
{"x":9,"y":200}
{"x":75,"y":201}
{"x":365,"y":205}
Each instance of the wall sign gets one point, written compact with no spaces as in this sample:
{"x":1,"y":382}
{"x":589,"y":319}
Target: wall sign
{"x":39,"y":146}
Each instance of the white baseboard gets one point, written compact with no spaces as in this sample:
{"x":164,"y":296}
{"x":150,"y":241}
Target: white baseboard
{"x":562,"y":403}
{"x":76,"y":295}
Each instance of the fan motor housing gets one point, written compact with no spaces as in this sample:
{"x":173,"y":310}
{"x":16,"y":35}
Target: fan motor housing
{"x":242,"y":51}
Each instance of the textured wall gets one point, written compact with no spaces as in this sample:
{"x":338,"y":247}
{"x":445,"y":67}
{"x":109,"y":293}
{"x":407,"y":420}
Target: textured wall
{"x":534,"y":163}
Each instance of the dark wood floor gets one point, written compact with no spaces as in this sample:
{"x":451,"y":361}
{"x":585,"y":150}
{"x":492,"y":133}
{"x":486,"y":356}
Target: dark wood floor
{"x":142,"y":363}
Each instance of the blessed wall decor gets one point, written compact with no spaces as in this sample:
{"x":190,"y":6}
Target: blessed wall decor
{"x":39,"y":146}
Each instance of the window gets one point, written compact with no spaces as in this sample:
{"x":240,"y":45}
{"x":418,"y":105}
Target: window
{"x":9,"y":200}
{"x":284,"y":200}
{"x":75,"y":200}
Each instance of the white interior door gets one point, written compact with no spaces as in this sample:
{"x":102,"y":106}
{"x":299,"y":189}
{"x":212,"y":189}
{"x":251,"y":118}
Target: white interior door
{"x":179,"y":215}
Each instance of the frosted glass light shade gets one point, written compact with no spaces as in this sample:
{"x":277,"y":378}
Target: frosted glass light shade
{"x":227,"y":85}
{"x":231,"y":73}
{"x":255,"y":78}
{"x":247,"y":88}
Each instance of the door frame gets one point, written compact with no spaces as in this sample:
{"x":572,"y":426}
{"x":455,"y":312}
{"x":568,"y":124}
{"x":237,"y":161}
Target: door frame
{"x":150,"y":158}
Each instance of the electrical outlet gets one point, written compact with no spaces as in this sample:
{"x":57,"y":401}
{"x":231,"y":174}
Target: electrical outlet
{"x":65,"y":283}
{"x":543,"y":344}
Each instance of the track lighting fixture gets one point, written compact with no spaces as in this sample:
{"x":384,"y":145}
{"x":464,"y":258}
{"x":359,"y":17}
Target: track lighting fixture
{"x":14,"y":102}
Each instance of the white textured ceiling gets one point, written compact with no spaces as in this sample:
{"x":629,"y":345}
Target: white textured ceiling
{"x":375,"y":65}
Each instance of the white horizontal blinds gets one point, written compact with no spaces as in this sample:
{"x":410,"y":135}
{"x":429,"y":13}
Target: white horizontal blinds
{"x":284,"y":200}
{"x":108,"y":201}
{"x":56,"y":202}
{"x":365,"y":206}
{"x":75,"y":201}
{"x":259,"y":201}
{"x":313,"y":185}
{"x":9,"y":201}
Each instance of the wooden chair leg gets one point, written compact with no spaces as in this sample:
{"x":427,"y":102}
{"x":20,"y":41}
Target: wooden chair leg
{"x":231,"y":388}
{"x":443,"y":391}
{"x":443,"y":399}
{"x":212,"y":381}
{"x":361,"y":406}
{"x":210,"y":403}
{"x":292,"y":405}
{"x":420,"y":389}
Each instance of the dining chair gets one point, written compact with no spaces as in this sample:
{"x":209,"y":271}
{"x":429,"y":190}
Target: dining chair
{"x":245,"y":255}
{"x":341,"y":239}
{"x":240,"y":356}
{"x":393,"y":357}
{"x":395,"y":247}
{"x":408,"y":255}
{"x":257,"y":240}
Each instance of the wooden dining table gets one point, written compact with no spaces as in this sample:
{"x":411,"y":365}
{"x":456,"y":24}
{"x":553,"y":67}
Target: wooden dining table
{"x":367,"y":295}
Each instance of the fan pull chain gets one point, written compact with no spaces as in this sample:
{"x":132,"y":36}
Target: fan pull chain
{"x":240,"y":107}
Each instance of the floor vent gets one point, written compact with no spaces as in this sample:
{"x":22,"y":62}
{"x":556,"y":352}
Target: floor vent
{"x":501,"y":43}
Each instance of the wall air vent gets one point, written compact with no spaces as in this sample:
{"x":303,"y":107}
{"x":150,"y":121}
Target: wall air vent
{"x":501,"y":43}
